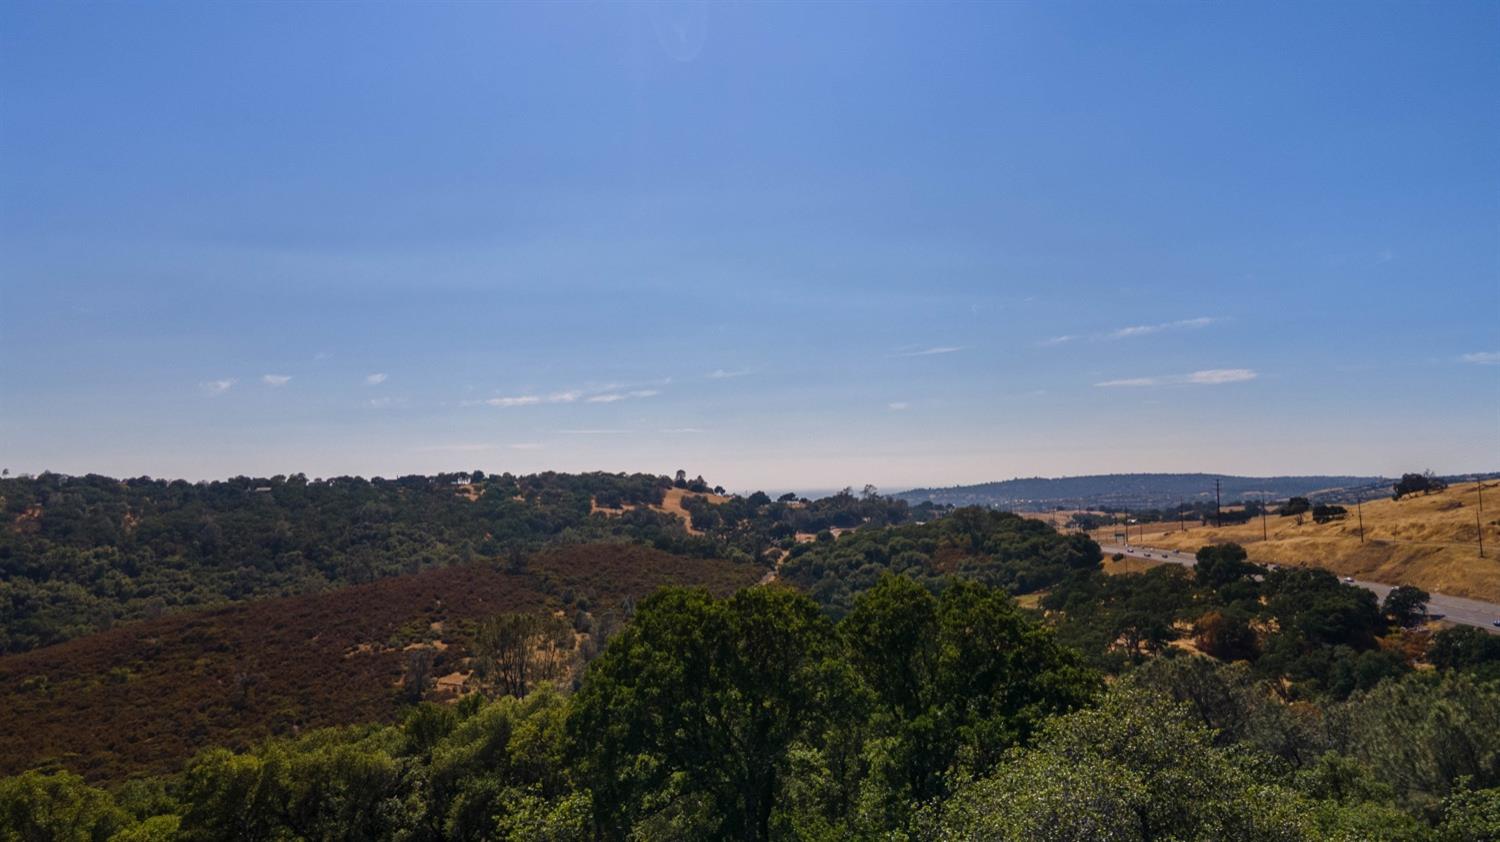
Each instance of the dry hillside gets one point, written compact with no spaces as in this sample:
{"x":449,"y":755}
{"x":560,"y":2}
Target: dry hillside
{"x":1429,"y":541}
{"x":671,"y":504}
{"x":145,"y":696}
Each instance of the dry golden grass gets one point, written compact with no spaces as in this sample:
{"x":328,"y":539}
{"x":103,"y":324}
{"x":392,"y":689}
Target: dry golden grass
{"x":1129,"y":564}
{"x":1031,"y":600}
{"x":1427,"y":541}
{"x":1058,"y":519}
{"x":671,"y":504}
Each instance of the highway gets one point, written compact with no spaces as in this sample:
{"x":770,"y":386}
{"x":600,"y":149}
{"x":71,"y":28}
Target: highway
{"x":1455,"y":609}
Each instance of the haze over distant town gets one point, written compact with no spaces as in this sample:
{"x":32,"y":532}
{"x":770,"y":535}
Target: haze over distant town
{"x":1019,"y":243}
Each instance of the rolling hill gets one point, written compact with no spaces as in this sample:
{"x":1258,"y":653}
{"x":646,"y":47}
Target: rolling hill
{"x":1136,"y":491}
{"x":145,"y":696}
{"x":1429,"y":541}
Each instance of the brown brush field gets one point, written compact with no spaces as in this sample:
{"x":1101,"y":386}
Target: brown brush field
{"x":143,"y":697}
{"x":1429,"y":541}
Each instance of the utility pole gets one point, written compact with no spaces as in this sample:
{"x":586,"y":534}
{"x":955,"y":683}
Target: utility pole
{"x":1479,"y":516}
{"x":1264,"y":536}
{"x":1218,"y":518}
{"x":1181,"y":517}
{"x":1358,"y":507}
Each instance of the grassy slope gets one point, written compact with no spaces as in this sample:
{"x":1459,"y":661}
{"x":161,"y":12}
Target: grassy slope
{"x":1425,"y":541}
{"x":294,"y":663}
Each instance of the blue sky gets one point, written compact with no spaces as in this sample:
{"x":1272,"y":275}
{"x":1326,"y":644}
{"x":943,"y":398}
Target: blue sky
{"x":792,"y":246}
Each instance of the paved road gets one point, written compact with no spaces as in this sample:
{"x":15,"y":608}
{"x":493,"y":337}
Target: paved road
{"x":1455,"y":609}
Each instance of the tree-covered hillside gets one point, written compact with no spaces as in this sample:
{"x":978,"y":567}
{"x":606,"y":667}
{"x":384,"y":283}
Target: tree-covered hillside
{"x":917,"y":716}
{"x":80,"y":553}
{"x":995,"y":548}
{"x":889,"y":687}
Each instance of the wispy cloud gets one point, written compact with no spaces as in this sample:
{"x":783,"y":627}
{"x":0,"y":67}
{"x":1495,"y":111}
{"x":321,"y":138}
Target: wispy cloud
{"x":275,"y":379}
{"x":593,"y":432}
{"x":1132,"y":331}
{"x":384,"y":402}
{"x":518,"y":400}
{"x":1147,"y":330}
{"x":375,"y":379}
{"x":570,"y":396}
{"x":898,"y":406}
{"x":1481,"y":358}
{"x":215,"y":388}
{"x":928,"y":352}
{"x":1207,"y":377}
{"x":673,"y":431}
{"x":611,"y":397}
{"x":526,"y":445}
{"x":455,"y":448}
{"x":530,"y":400}
{"x":723,"y":374}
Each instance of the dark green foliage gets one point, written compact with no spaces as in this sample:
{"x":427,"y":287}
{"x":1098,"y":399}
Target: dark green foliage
{"x":1294,"y":506}
{"x":80,"y":553}
{"x":1136,"y":767}
{"x":1122,"y":619}
{"x":1235,"y":706}
{"x":703,"y":698}
{"x":954,"y":680}
{"x":1423,"y":483}
{"x":1405,"y":605}
{"x":735,"y":707}
{"x":1421,"y":735}
{"x":1325,"y":513}
{"x":1468,"y":649}
{"x":935,"y":708}
{"x":1471,"y":815}
{"x":1226,"y":635}
{"x":1223,"y":564}
{"x":1312,"y":606}
{"x":994,"y":548}
{"x":57,"y":807}
{"x":1303,"y":625}
{"x":920,"y":716}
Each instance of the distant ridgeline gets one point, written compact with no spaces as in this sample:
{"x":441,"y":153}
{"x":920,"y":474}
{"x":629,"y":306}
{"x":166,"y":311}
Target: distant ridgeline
{"x":79,"y":553}
{"x":1144,"y":491}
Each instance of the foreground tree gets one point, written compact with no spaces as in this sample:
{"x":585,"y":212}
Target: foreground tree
{"x":515,"y":651}
{"x":60,"y":807}
{"x":1134,"y":768}
{"x":1423,"y":734}
{"x":956,"y":679}
{"x":685,"y":722}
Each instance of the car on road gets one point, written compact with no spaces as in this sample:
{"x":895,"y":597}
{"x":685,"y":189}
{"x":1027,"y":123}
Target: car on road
{"x":1349,"y":579}
{"x":1496,"y":624}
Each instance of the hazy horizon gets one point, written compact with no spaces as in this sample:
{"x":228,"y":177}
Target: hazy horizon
{"x":782,"y":246}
